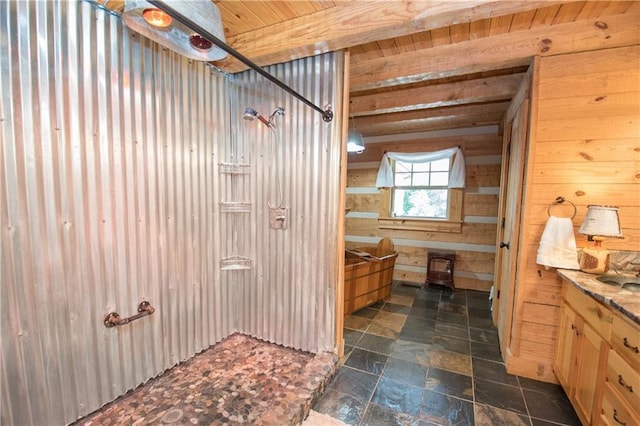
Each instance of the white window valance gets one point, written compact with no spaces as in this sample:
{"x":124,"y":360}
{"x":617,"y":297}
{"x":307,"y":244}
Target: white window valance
{"x":457,"y":176}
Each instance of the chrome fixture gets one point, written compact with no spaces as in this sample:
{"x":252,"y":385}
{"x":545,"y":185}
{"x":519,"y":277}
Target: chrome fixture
{"x":157,"y":25}
{"x":197,"y":25}
{"x":250,"y":114}
{"x":113,"y":318}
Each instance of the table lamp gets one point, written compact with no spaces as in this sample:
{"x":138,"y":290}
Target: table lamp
{"x":600,"y":222}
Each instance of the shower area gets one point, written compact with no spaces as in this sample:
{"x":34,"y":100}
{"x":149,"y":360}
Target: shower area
{"x":154,"y":208}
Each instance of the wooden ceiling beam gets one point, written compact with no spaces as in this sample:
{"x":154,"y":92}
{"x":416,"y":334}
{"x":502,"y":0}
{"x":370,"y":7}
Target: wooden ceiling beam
{"x":489,"y":89}
{"x":355,"y":23}
{"x":434,"y":123}
{"x":423,"y":115}
{"x":496,"y":52}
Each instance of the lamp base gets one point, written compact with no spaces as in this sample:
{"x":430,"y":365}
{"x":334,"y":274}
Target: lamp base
{"x":594,"y":260}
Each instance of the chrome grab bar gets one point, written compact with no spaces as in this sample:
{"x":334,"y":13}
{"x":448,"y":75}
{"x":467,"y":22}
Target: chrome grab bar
{"x":113,"y":318}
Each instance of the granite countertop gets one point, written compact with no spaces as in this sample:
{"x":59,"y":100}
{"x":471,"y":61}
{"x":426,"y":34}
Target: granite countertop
{"x":625,"y":301}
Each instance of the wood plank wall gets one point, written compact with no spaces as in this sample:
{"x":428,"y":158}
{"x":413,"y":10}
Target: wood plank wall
{"x":474,"y":247}
{"x":585,"y":146}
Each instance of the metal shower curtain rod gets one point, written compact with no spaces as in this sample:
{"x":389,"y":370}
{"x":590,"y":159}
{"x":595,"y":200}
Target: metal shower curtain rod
{"x":327,"y":115}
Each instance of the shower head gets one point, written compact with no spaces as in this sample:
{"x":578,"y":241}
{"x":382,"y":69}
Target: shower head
{"x":250,"y":114}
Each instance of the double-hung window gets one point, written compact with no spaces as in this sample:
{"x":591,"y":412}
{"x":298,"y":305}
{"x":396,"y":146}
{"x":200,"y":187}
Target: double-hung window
{"x":421,"y":189}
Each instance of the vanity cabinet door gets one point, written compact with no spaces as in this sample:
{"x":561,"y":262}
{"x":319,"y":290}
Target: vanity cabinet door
{"x":565,"y":353}
{"x":591,"y":364}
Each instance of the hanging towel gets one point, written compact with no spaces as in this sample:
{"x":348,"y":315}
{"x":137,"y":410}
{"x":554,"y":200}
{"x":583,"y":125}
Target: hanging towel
{"x":558,"y":244}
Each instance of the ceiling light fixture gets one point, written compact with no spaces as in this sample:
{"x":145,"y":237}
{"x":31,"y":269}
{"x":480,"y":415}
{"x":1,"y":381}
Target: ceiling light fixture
{"x":355,"y":141}
{"x":158,"y":25}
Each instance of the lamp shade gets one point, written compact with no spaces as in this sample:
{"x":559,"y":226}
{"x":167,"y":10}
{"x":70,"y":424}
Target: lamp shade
{"x":355,"y":142}
{"x":601,"y":221}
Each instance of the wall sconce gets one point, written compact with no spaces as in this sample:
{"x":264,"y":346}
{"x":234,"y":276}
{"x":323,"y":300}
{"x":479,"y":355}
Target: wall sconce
{"x":600,"y":221}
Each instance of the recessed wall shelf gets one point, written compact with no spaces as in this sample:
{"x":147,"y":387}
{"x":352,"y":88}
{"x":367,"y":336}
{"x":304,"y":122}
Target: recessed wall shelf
{"x":235,"y":262}
{"x":235,"y":206}
{"x":235,"y":168}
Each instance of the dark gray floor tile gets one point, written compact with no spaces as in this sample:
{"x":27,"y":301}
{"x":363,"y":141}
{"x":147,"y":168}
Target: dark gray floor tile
{"x":452,"y":330}
{"x":479,"y":313}
{"x":378,"y":305}
{"x":484,"y":336}
{"x":341,"y":406}
{"x":405,"y":289}
{"x":451,"y":344}
{"x":449,"y":383}
{"x":484,"y":323}
{"x":539,"y":386}
{"x":366,"y":313}
{"x":407,"y":372}
{"x":351,"y":337}
{"x":441,"y":409}
{"x":454,"y":318}
{"x":540,"y":422}
{"x":552,"y":407}
{"x":411,"y":351}
{"x":494,"y":371}
{"x":417,"y":334}
{"x":429,"y":294}
{"x":452,"y":308}
{"x":486,"y":351}
{"x":396,"y":309}
{"x":368,"y":361}
{"x":354,"y":382}
{"x":478,"y":299}
{"x":499,"y":395}
{"x":458,"y":297}
{"x":378,"y":415}
{"x":375,"y":343}
{"x":423,"y":312}
{"x":398,"y":396}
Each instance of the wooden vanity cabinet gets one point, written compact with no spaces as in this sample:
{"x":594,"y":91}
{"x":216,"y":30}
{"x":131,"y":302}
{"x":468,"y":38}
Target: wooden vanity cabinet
{"x":582,"y":351}
{"x":621,"y":399}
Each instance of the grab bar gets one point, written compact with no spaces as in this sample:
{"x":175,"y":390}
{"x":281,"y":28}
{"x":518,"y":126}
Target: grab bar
{"x":113,"y":318}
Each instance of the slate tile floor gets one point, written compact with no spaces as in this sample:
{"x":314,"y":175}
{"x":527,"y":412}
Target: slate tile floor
{"x":430,"y":356}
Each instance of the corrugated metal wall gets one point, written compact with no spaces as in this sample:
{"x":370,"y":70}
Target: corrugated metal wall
{"x":290,"y":294}
{"x":111,"y":194}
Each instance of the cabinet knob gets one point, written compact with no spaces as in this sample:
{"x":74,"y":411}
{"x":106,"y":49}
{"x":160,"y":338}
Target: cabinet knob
{"x":504,"y":245}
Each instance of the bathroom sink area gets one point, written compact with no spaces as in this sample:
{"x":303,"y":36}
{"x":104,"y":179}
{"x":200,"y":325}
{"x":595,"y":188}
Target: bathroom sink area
{"x":626,"y":282}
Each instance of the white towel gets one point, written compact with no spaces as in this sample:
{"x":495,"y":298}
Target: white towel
{"x":558,"y":244}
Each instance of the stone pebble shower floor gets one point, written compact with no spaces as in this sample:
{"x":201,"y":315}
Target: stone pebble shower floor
{"x":241,"y":380}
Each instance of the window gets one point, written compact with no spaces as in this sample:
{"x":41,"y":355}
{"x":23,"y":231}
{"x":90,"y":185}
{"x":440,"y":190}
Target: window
{"x":421,"y":189}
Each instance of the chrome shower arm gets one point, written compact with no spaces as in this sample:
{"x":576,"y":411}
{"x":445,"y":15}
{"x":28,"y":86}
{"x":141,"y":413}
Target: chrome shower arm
{"x":327,"y":115}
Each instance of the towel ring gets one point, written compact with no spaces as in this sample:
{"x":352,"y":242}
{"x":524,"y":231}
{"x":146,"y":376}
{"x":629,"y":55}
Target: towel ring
{"x":557,"y":202}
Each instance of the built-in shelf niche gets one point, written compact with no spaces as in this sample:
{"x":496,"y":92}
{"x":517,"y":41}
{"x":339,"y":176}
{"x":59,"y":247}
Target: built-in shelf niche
{"x":235,"y":206}
{"x":235,"y":263}
{"x":235,"y":168}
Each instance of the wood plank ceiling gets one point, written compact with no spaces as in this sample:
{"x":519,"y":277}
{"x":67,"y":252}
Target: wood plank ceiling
{"x":423,"y":65}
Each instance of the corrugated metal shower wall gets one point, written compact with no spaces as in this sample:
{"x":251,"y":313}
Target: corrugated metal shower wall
{"x":289,"y":295}
{"x":111,"y":194}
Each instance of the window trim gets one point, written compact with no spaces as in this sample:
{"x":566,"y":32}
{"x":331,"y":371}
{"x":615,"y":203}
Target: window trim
{"x":453,"y":224}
